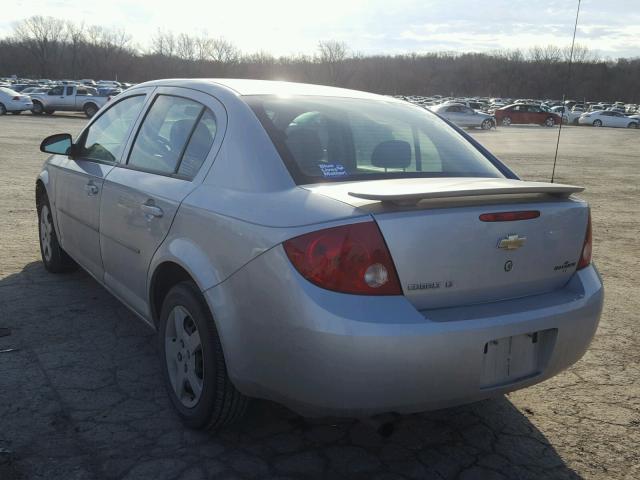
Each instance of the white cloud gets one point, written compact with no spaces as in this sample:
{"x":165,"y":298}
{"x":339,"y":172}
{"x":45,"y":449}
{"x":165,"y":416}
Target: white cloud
{"x":369,"y":26}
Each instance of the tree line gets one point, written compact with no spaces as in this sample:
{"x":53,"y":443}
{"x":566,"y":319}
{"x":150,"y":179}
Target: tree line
{"x":46,"y":47}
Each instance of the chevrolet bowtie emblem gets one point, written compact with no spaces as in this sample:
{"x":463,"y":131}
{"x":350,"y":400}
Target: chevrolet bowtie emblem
{"x":511,"y":242}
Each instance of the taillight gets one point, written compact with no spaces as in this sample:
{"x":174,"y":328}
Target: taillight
{"x":15,"y":98}
{"x":349,"y":259}
{"x":585,"y":257}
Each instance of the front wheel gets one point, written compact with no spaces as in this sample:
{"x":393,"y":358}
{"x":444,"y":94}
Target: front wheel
{"x":193,"y":364}
{"x":549,"y":122}
{"x":54,"y":258}
{"x":597,"y":123}
{"x":486,"y":125}
{"x":37,"y":108}
{"x":506,"y":121}
{"x":17,"y":112}
{"x":3,"y":109}
{"x":632,"y":125}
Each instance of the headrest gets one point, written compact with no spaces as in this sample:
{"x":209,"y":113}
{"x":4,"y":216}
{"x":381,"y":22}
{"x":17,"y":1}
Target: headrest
{"x":180,"y":131}
{"x":392,"y":154}
{"x":305,"y":146}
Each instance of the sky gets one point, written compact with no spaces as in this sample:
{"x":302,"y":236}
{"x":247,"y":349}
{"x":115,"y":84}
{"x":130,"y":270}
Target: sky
{"x":610,"y":28}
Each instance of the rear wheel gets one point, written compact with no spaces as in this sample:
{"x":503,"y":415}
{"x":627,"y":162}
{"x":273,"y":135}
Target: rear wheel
{"x":90,"y":110}
{"x":193,"y":364}
{"x":597,"y":123}
{"x":49,"y":112}
{"x":3,"y":109}
{"x":486,"y":125}
{"x":17,"y":112}
{"x":506,"y":121}
{"x":632,"y":125}
{"x":55,"y":259}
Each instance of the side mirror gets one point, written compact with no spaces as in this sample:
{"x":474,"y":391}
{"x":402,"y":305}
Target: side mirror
{"x":58,"y":144}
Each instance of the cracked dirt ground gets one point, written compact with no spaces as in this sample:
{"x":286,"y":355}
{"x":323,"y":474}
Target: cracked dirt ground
{"x":81,"y":396}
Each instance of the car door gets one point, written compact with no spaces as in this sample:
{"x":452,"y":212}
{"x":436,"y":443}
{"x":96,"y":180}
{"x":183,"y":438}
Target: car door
{"x":620,"y":120}
{"x":80,"y":179}
{"x":142,"y":194}
{"x":67,"y":100}
{"x":55,"y":97}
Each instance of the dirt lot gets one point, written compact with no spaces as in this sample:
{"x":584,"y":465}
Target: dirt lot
{"x":81,"y":398}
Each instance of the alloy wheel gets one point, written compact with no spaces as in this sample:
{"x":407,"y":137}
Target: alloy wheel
{"x":46,"y":228}
{"x":183,"y":353}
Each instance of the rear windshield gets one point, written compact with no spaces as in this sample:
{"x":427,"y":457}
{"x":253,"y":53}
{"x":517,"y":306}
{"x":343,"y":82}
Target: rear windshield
{"x":325,"y":139}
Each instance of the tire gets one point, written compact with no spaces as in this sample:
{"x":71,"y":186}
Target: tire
{"x":194,"y":370}
{"x":506,"y":122}
{"x":575,"y":122}
{"x":3,"y":109}
{"x":549,"y":122}
{"x":54,"y":258}
{"x":632,"y":125}
{"x":17,"y":112}
{"x":486,"y":125}
{"x":597,"y":123}
{"x":90,"y":109}
{"x":37,"y":108}
{"x":49,"y":112}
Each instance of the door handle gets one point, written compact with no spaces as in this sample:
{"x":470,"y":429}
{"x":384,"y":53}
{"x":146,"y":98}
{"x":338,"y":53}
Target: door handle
{"x":91,"y":189}
{"x":151,"y":209}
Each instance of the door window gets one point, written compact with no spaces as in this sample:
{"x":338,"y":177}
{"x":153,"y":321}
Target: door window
{"x":56,"y":91}
{"x":106,"y":137}
{"x":69,"y":91}
{"x":199,"y":145}
{"x":164,"y":134}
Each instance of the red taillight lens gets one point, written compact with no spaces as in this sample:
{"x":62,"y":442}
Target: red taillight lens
{"x":349,"y":259}
{"x":585,"y":258}
{"x":509,"y":216}
{"x":15,"y":98}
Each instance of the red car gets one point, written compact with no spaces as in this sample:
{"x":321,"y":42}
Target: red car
{"x":521,"y":113}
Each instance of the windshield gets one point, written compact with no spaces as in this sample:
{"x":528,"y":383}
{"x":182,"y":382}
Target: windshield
{"x":325,"y":139}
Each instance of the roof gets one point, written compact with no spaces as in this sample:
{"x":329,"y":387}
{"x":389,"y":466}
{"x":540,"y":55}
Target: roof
{"x":269,"y":87}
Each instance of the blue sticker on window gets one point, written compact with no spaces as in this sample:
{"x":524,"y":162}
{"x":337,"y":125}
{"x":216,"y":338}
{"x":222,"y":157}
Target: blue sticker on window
{"x":333,"y":170}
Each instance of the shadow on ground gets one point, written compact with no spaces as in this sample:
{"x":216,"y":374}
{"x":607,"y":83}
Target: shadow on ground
{"x":81,"y":397}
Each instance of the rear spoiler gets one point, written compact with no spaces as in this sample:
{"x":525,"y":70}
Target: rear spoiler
{"x":410,"y":192}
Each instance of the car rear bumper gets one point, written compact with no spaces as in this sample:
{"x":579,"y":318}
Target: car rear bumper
{"x":324,"y":353}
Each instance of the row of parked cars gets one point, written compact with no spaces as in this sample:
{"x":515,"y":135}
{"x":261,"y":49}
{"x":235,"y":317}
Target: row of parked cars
{"x":487,"y":113}
{"x":45,"y":96}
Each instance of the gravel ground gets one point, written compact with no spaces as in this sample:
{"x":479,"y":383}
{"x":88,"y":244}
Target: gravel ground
{"x":81,"y":396}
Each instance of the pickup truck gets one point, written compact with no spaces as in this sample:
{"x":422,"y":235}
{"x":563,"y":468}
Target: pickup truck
{"x":70,"y":98}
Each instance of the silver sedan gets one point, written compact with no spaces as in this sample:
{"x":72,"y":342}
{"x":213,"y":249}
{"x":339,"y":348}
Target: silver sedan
{"x":336,"y":251}
{"x":464,"y":116}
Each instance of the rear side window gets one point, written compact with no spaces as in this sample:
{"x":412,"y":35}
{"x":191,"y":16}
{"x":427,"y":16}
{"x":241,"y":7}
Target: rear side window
{"x":106,"y":137}
{"x":175,"y":137}
{"x":325,"y":139}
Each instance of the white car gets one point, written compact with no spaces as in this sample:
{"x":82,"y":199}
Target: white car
{"x":13,"y":102}
{"x":568,"y":116}
{"x":608,"y":118}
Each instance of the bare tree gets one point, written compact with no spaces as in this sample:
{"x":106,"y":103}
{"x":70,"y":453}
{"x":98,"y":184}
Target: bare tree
{"x":43,"y":38}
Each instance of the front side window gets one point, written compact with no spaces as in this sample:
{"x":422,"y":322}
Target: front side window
{"x":56,"y":91}
{"x":107,"y":136}
{"x":338,"y":139}
{"x":175,"y":137}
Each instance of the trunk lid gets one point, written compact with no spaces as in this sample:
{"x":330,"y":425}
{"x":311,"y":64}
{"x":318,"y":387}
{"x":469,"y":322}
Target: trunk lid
{"x":446,"y":256}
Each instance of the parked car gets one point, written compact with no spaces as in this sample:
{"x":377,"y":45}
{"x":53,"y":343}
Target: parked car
{"x":13,"y":102}
{"x":607,"y":118}
{"x":303,"y":244}
{"x":524,"y":114}
{"x":30,"y":90}
{"x":70,"y":98}
{"x":568,"y":116}
{"x":465,"y":116}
